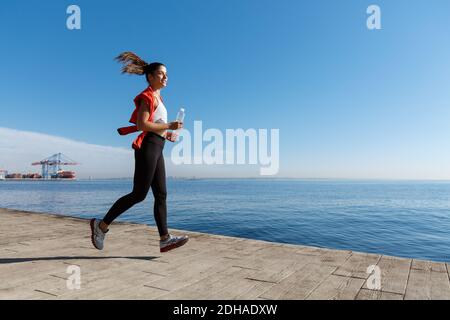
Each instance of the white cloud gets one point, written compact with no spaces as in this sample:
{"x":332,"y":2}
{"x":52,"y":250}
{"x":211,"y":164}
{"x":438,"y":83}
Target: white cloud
{"x":18,"y":149}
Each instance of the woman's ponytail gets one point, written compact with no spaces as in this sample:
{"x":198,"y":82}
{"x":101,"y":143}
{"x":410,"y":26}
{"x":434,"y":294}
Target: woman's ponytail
{"x":135,"y":65}
{"x":132,"y":63}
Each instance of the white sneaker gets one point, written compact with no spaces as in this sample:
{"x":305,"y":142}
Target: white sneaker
{"x":172,"y":243}
{"x":97,"y":236}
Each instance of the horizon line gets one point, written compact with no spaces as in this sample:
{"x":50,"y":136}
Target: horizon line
{"x":276,"y":178}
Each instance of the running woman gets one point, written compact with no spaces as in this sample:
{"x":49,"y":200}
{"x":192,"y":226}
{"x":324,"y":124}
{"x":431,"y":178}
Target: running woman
{"x":150,"y":117}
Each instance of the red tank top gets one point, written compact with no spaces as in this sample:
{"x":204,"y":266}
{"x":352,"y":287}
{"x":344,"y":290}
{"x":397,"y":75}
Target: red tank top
{"x":147,"y":96}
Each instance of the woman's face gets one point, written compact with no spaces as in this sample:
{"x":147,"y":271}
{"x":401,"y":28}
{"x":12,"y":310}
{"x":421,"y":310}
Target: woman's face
{"x":159,"y":78}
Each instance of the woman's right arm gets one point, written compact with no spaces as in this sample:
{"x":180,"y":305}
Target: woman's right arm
{"x":143,"y":124}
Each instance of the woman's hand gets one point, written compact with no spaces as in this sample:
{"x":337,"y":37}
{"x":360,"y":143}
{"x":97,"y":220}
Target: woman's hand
{"x":175,"y":125}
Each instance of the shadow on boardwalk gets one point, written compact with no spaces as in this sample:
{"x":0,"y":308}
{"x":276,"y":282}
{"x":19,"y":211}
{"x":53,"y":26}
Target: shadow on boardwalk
{"x":19,"y":260}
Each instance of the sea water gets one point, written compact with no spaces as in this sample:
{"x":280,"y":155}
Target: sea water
{"x":406,"y":219}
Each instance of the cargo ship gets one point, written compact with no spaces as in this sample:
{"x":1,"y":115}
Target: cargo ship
{"x":20,"y":176}
{"x":64,"y":175}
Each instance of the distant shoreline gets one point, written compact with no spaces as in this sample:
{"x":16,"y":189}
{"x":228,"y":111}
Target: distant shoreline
{"x":37,"y":179}
{"x":244,"y":178}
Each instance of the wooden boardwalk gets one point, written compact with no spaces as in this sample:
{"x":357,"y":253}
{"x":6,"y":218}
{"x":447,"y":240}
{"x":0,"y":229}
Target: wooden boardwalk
{"x":36,"y":251}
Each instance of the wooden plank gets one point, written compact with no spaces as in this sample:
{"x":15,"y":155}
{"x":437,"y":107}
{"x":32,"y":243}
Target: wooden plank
{"x":44,"y":287}
{"x":337,"y":288}
{"x":258,"y":281}
{"x":427,"y":285}
{"x":120,"y":288}
{"x":208,"y":287}
{"x":365,"y":294}
{"x":356,"y":266}
{"x":428,"y":266}
{"x":192,"y":274}
{"x":331,"y":258}
{"x":246,"y":290}
{"x":300,"y":284}
{"x":16,"y":275}
{"x":277,"y":271}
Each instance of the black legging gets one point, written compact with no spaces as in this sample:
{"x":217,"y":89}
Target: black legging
{"x":149,"y":171}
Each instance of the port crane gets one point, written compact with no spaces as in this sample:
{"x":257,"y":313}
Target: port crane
{"x":51,"y":166}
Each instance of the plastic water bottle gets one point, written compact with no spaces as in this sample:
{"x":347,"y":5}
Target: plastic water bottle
{"x":180,"y":115}
{"x":180,"y":118}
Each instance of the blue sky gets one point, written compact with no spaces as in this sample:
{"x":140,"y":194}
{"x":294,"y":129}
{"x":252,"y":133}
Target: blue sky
{"x":349,"y":102}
